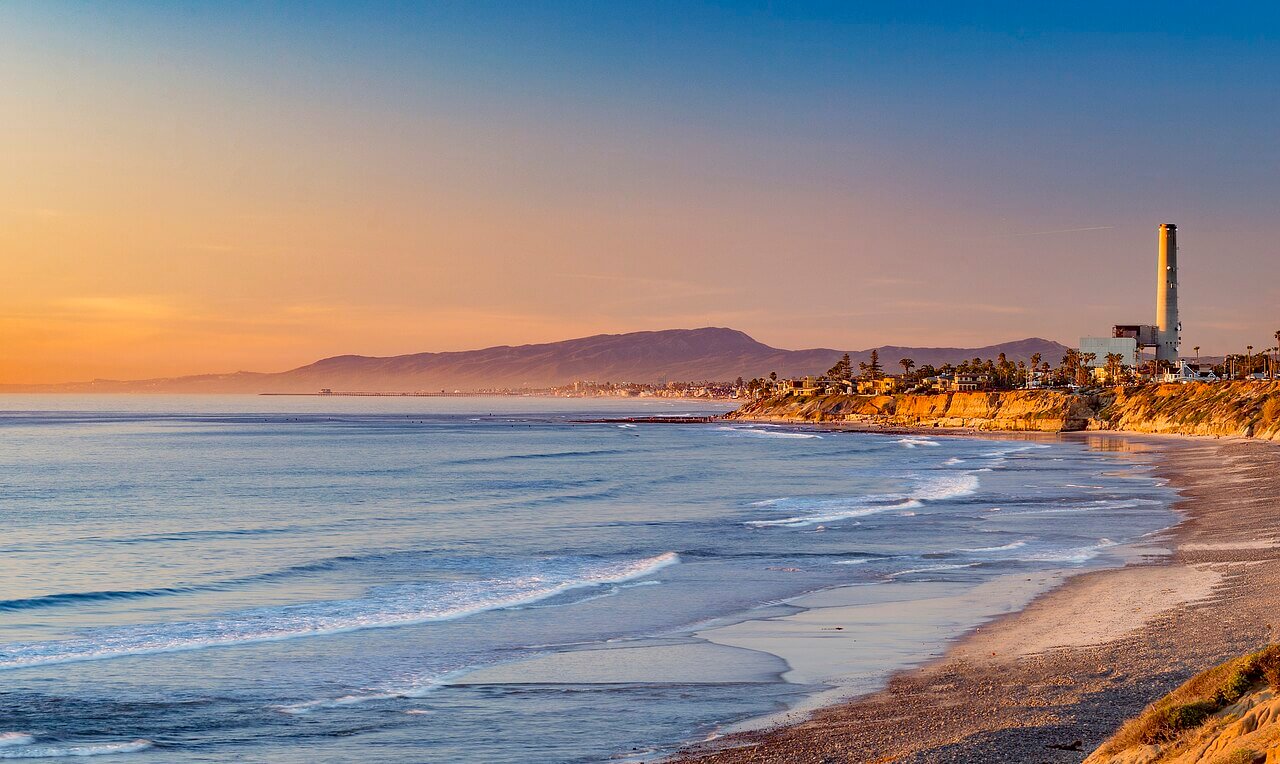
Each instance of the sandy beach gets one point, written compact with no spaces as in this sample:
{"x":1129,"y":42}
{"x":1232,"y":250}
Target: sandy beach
{"x":1050,"y":681}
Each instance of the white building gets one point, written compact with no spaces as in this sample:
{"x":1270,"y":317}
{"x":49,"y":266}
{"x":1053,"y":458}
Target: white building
{"x":1101,"y":347}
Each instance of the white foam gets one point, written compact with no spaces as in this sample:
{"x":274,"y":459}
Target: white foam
{"x":15,"y":738}
{"x":420,"y":688}
{"x":953,"y":461}
{"x":1077,"y":555}
{"x":946,"y":485}
{"x":933,"y":569}
{"x":933,"y":486}
{"x":913,"y":442}
{"x":401,"y":605}
{"x":58,"y":752}
{"x":758,"y":433}
{"x":854,"y":508}
{"x":1004,"y":548}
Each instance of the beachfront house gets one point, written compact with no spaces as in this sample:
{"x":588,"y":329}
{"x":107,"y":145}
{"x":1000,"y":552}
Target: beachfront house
{"x":968,"y":381}
{"x":886,"y":385}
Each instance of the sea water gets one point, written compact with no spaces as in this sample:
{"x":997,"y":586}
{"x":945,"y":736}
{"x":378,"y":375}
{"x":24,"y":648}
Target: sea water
{"x":310,"y":579}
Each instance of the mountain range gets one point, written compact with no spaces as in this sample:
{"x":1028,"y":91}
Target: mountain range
{"x":708,"y":354}
{"x":675,"y":355}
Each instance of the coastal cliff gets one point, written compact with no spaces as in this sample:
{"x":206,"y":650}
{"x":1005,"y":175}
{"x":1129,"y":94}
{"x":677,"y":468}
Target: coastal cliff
{"x":1246,"y":409}
{"x":1229,"y":714}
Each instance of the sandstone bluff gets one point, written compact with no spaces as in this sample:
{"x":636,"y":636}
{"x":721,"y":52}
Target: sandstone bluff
{"x":1242,"y":409}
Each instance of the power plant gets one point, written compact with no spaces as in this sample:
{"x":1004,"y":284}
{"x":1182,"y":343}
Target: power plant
{"x":1168,"y":328}
{"x":1165,"y":335}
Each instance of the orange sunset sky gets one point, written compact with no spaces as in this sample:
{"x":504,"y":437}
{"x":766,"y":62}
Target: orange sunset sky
{"x":256,"y":187}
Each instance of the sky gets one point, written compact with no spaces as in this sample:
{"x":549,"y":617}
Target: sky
{"x":211,"y":187}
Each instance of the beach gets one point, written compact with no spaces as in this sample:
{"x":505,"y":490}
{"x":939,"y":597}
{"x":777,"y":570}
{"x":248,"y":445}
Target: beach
{"x":1049,"y":682}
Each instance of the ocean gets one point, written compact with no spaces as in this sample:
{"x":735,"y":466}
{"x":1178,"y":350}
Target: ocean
{"x":320,"y":579}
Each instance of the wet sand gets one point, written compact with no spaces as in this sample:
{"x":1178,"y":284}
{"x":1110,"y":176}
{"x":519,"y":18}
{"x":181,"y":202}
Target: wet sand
{"x":1050,"y":682}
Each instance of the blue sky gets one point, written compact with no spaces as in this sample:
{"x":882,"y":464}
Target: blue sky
{"x":834,"y":174}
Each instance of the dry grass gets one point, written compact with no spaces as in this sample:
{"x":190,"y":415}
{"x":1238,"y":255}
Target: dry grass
{"x":1192,"y":704}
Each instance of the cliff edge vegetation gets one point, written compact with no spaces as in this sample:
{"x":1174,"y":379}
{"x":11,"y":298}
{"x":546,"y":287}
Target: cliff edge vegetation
{"x":1245,"y":409}
{"x":1229,"y":714}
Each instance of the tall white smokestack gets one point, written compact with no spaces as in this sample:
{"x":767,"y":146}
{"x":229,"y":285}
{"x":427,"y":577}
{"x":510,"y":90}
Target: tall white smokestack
{"x":1167,"y":295}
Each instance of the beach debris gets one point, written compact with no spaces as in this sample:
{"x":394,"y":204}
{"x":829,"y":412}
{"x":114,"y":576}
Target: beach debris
{"x":1076,"y":745}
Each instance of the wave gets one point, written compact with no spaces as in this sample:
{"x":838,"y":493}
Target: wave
{"x":1098,"y":505}
{"x":535,"y":457}
{"x":76,"y":598}
{"x":933,"y":486}
{"x":15,"y":738}
{"x":79,"y":598}
{"x":27,"y":751}
{"x":1076,"y":555}
{"x":384,"y":607}
{"x":760,"y":433}
{"x":1003,"y":548}
{"x":833,"y":510}
{"x":934,"y":568}
{"x":938,"y":487}
{"x":913,"y":442}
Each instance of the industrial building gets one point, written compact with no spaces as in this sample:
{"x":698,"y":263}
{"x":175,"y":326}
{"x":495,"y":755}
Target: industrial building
{"x":1165,"y":335}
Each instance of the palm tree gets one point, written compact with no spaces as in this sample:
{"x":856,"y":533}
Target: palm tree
{"x":907,"y":365}
{"x":1248,"y":360}
{"x":1115,"y":364}
{"x":1197,"y":349}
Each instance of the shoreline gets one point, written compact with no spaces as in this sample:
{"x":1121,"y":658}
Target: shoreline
{"x":1050,"y":680}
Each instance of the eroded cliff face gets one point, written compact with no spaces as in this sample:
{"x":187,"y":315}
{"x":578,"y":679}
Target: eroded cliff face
{"x":1247,"y":409}
{"x":1228,"y":714}
{"x":1039,"y":410}
{"x":1247,"y":732}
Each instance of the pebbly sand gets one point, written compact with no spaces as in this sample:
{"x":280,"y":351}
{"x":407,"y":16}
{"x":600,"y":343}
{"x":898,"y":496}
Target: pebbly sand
{"x":1051,"y":681}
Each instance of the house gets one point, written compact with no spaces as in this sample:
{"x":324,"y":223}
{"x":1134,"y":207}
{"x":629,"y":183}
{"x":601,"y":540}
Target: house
{"x":800,"y":387}
{"x":886,"y":385}
{"x":940,"y":383}
{"x":967,"y":380}
{"x":840,"y":387}
{"x":1186,"y":373}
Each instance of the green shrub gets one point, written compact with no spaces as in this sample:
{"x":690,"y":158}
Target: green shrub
{"x":1236,"y":685}
{"x":1186,"y":716}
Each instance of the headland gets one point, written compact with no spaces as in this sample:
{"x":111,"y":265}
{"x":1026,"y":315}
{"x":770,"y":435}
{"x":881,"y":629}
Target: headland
{"x":1238,"y":409}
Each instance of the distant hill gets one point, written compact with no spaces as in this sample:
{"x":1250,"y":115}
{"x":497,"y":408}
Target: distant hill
{"x":714,"y":354}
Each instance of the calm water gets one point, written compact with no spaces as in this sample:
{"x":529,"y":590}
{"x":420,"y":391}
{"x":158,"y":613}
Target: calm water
{"x":307,"y":580}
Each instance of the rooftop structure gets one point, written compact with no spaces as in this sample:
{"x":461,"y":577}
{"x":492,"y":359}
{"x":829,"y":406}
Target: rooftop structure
{"x":1165,"y":335}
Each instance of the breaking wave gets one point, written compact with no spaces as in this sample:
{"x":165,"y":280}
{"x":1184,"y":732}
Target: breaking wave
{"x":24,"y":749}
{"x":937,"y":486}
{"x":913,"y":442}
{"x":383,"y":607}
{"x":755,"y":432}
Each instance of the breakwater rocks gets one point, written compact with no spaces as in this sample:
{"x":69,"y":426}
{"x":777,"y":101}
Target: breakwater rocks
{"x":1248,"y":409}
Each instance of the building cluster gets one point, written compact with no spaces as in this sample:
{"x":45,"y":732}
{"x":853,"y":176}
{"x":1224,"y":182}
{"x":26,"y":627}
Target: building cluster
{"x":1119,"y":358}
{"x":705,"y":390}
